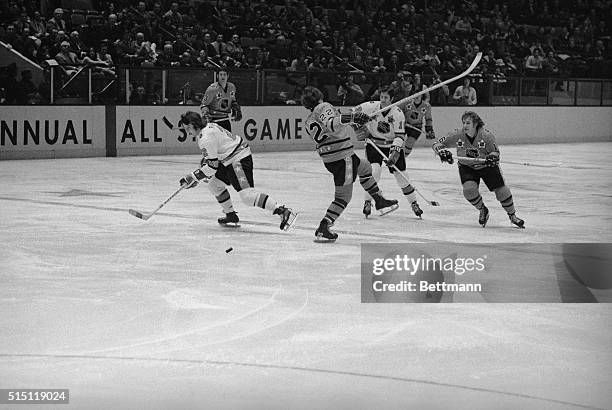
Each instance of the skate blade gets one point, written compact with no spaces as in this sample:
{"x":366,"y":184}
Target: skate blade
{"x":231,"y":225}
{"x":323,"y":240}
{"x":292,"y":218}
{"x":388,"y":209}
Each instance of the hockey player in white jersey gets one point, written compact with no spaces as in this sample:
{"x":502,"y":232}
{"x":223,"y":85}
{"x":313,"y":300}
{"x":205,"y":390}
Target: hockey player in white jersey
{"x":227,"y":161}
{"x":386,"y":131}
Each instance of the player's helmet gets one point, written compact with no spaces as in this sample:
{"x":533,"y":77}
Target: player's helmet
{"x":191,"y":117}
{"x":311,"y":97}
{"x":476,"y":120}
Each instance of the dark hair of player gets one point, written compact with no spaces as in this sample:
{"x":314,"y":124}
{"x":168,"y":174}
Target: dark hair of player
{"x":388,"y":90}
{"x":193,"y":118}
{"x":476,"y":120}
{"x":311,"y":97}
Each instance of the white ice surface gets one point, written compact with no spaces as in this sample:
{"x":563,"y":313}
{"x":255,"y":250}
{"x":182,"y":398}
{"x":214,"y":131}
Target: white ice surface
{"x":133,"y":314}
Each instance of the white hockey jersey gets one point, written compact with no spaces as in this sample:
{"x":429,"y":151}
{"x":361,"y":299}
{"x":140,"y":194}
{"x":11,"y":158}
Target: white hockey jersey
{"x":394,"y":117}
{"x":219,"y":144}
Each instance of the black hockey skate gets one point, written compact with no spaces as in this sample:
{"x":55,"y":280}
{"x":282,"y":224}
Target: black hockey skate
{"x":417,"y":209}
{"x":367,"y":207}
{"x":323,"y":234}
{"x":484,"y":216}
{"x":384,"y":205}
{"x":230,"y":220}
{"x":516,"y":221}
{"x":287,"y":215}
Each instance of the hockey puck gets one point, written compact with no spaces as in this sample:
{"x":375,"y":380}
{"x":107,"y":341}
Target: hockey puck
{"x":228,"y":250}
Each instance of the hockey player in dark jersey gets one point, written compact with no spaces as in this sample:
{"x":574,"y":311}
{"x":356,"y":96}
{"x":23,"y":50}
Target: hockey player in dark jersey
{"x":474,"y":141}
{"x":329,"y":130}
{"x":219,"y":102}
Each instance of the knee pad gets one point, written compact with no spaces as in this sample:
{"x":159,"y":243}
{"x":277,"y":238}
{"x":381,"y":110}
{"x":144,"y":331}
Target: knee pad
{"x":248,"y":196}
{"x":216,"y":186}
{"x":344,"y":192}
{"x":502,"y":193}
{"x":470,"y":189}
{"x":364,"y":167}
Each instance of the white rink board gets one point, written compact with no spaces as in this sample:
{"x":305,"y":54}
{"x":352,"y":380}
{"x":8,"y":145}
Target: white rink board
{"x":282,"y":128}
{"x":141,"y":131}
{"x":52,"y":132}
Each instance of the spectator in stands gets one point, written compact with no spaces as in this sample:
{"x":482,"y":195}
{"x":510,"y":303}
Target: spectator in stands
{"x":219,"y":45}
{"x":38,"y":25}
{"x":439,"y":96}
{"x":139,"y":97}
{"x":349,"y":92}
{"x":465,"y":94}
{"x":234,"y":48}
{"x":550,"y":65}
{"x":533,"y":64}
{"x":172,"y":18}
{"x":67,"y":59}
{"x":77,"y":45}
{"x":185,"y":60}
{"x":113,"y":29}
{"x":167,"y":58}
{"x":92,"y":59}
{"x":57,"y":22}
{"x":402,"y":86}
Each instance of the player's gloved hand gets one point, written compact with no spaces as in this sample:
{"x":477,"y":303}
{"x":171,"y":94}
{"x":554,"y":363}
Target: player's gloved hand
{"x":394,"y":154}
{"x":188,"y":181}
{"x":430,"y":134}
{"x":236,"y":112}
{"x":383,"y":127}
{"x":360,"y":118}
{"x":446,"y":156}
{"x":492,"y":160}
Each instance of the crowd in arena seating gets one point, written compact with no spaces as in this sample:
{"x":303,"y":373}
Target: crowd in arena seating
{"x":430,"y":37}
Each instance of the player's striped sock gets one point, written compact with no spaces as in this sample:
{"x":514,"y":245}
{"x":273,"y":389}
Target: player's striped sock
{"x":476,"y":201}
{"x":408,"y":192}
{"x":335,"y":209}
{"x":265,"y":202}
{"x":369,"y":184}
{"x":226,"y":203}
{"x":508,"y":205}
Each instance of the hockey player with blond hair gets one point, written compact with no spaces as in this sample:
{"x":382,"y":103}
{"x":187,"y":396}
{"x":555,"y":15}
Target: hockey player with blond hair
{"x":331,"y":133}
{"x":227,"y":161}
{"x":478,"y":159}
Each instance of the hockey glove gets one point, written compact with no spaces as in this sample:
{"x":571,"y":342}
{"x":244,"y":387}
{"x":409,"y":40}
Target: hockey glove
{"x":236,"y":111}
{"x":383,"y":127}
{"x":358,"y":118}
{"x":429,"y":133}
{"x":492,"y":160}
{"x":189,"y":181}
{"x":394,"y":154}
{"x":446,"y":156}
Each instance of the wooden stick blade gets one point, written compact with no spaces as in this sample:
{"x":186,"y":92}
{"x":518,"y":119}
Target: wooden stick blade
{"x":137,"y":214}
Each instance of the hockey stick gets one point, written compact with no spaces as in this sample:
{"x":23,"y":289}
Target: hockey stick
{"x":145,"y":217}
{"x":432,"y":203}
{"x":433,"y":87}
